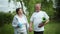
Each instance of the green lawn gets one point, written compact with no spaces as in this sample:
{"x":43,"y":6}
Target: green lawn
{"x":50,"y":28}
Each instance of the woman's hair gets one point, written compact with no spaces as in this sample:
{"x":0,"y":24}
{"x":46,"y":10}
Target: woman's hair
{"x":17,"y":10}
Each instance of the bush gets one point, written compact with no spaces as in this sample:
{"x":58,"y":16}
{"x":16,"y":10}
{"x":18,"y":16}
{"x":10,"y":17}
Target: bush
{"x":5,"y":18}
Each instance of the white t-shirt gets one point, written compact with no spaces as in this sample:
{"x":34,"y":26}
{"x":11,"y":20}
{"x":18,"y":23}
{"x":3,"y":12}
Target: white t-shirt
{"x":36,"y":18}
{"x":22,"y":20}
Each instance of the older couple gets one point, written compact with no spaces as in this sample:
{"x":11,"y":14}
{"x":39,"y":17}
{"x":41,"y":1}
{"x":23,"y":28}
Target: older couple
{"x":38,"y":19}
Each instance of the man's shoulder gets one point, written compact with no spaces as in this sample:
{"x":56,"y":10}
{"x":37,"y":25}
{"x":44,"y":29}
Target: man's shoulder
{"x":34,"y":13}
{"x":43,"y":11}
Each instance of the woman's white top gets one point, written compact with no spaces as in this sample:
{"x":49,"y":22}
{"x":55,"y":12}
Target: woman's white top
{"x":20,"y":20}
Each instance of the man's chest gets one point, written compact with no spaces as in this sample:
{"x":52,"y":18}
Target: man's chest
{"x":38,"y":16}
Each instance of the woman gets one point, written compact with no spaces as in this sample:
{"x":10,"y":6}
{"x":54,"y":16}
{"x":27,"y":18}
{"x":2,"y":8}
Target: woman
{"x":20,"y":22}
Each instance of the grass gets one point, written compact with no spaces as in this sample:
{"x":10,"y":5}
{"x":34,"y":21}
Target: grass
{"x":50,"y":28}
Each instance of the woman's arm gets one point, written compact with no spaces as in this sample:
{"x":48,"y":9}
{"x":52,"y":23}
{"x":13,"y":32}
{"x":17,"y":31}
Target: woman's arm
{"x":14,"y":23}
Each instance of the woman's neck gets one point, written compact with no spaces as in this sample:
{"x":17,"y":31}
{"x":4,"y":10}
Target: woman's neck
{"x":20,"y":15}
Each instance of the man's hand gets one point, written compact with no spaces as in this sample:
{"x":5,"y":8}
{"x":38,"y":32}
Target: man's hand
{"x":40,"y":25}
{"x":30,"y":29}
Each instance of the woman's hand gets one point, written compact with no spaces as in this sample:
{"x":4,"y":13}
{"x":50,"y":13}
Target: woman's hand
{"x":17,"y":27}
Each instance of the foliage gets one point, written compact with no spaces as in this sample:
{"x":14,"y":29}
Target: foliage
{"x":7,"y":29}
{"x":46,"y":6}
{"x":5,"y":18}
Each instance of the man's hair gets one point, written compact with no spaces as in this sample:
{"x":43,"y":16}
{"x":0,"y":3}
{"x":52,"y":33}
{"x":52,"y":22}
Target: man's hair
{"x":38,"y":3}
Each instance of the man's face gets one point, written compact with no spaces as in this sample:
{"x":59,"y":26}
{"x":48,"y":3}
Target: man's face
{"x":38,"y":7}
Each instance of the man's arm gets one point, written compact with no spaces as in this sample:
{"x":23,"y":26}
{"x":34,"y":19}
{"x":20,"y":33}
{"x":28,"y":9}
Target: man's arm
{"x":42,"y":24}
{"x":30,"y":26}
{"x":46,"y":22}
{"x":31,"y":22}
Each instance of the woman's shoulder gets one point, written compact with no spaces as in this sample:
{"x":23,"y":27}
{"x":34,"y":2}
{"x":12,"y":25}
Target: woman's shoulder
{"x":16,"y":16}
{"x":24,"y":15}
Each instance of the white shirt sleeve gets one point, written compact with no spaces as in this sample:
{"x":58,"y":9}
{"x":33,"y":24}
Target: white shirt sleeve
{"x":14,"y":23}
{"x":32,"y":18}
{"x":27,"y":25}
{"x":46,"y":16}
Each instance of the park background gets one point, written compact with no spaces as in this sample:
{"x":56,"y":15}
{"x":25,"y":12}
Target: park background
{"x":51,"y":8}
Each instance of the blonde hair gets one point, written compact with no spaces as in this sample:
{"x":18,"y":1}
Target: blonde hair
{"x":38,"y":4}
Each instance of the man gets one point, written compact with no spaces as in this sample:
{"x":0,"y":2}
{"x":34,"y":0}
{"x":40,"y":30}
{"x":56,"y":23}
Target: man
{"x":36,"y":19}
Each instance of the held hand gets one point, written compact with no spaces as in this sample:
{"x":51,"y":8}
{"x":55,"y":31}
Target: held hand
{"x":40,"y":25}
{"x":30,"y":29}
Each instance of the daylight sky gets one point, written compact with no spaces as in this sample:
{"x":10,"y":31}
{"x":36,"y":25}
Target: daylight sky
{"x":5,"y":6}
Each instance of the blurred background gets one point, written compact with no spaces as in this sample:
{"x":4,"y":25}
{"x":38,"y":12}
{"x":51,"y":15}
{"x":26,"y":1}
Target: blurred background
{"x":7,"y":12}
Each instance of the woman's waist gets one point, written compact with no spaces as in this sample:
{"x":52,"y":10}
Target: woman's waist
{"x":21,"y":29}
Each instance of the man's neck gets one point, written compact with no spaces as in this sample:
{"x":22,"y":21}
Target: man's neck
{"x":38,"y":11}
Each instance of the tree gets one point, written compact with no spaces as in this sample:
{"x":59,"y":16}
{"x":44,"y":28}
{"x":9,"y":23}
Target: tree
{"x":57,"y":13}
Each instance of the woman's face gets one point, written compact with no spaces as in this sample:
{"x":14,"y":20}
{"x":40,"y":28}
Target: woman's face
{"x":20,"y":11}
